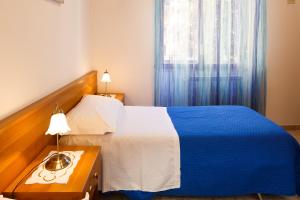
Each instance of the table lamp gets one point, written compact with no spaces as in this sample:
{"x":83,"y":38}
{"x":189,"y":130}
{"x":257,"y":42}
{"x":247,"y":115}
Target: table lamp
{"x":58,"y":126}
{"x":106,"y":79}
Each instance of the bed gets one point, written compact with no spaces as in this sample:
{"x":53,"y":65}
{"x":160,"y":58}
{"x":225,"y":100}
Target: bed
{"x":224,"y":151}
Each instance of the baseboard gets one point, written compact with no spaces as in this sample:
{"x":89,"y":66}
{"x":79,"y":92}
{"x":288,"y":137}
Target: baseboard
{"x":291,"y":127}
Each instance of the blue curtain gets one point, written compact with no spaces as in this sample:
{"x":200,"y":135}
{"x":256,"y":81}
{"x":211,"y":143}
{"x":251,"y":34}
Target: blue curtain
{"x":210,"y":52}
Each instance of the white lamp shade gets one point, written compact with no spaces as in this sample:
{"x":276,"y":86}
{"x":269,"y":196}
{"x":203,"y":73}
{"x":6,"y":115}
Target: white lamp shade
{"x":58,"y":125}
{"x":106,"y":77}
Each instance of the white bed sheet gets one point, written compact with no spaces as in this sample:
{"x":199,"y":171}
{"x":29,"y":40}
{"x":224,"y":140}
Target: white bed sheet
{"x":143,"y":154}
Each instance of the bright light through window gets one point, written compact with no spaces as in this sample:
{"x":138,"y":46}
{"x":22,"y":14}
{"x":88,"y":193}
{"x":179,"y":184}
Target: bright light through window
{"x":206,"y":31}
{"x":181,"y":30}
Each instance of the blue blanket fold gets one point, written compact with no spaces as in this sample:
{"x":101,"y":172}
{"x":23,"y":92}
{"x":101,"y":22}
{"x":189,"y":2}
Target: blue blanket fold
{"x":232,"y":150}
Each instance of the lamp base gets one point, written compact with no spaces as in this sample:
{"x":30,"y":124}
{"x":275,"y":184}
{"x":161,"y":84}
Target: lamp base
{"x":106,"y":95}
{"x":57,"y":162}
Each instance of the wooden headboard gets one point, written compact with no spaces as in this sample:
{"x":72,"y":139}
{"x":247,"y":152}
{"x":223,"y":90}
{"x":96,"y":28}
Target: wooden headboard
{"x":22,"y":135}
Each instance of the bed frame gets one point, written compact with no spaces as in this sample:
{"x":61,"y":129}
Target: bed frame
{"x":22,"y":135}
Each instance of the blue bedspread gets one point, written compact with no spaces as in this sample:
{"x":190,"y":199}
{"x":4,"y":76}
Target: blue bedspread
{"x":232,"y":150}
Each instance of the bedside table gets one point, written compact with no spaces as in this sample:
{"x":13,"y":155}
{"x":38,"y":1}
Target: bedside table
{"x":83,"y":179}
{"x":119,"y":96}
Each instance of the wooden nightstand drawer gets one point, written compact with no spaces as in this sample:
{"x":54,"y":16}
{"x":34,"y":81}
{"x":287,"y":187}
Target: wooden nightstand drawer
{"x":83,"y":179}
{"x":93,"y":180}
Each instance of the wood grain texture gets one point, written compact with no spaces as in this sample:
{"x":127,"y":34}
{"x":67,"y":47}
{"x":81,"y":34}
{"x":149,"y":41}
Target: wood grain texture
{"x":22,"y":135}
{"x":291,"y":127}
{"x":81,"y":181}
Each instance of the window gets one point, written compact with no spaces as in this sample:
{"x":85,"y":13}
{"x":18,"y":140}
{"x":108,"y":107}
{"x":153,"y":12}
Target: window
{"x":210,"y":52}
{"x":206,"y":31}
{"x":181,"y":31}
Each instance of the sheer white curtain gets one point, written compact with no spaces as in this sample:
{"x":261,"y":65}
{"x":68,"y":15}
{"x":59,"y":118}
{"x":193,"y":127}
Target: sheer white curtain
{"x":210,"y":52}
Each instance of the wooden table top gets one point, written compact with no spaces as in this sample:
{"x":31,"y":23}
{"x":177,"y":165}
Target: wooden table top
{"x":77,"y":180}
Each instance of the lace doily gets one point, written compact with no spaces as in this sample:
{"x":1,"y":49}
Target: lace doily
{"x":43,"y":176}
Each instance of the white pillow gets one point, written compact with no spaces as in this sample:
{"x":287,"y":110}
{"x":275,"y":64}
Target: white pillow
{"x":95,"y":115}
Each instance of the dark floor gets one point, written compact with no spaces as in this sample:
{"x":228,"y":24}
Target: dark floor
{"x":117,"y":196}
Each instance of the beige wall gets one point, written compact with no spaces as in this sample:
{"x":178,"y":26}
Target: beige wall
{"x":123,"y":41}
{"x":43,"y":46}
{"x":283,"y":98}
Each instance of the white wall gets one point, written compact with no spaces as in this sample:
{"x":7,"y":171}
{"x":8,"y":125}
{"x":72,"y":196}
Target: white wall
{"x":123,"y":41}
{"x":43,"y":46}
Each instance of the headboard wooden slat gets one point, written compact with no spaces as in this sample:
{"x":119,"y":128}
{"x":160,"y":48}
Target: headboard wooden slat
{"x":22,"y":135}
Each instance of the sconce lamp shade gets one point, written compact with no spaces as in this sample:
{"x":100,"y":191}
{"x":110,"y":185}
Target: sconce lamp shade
{"x":106,"y":77}
{"x":58,"y":125}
